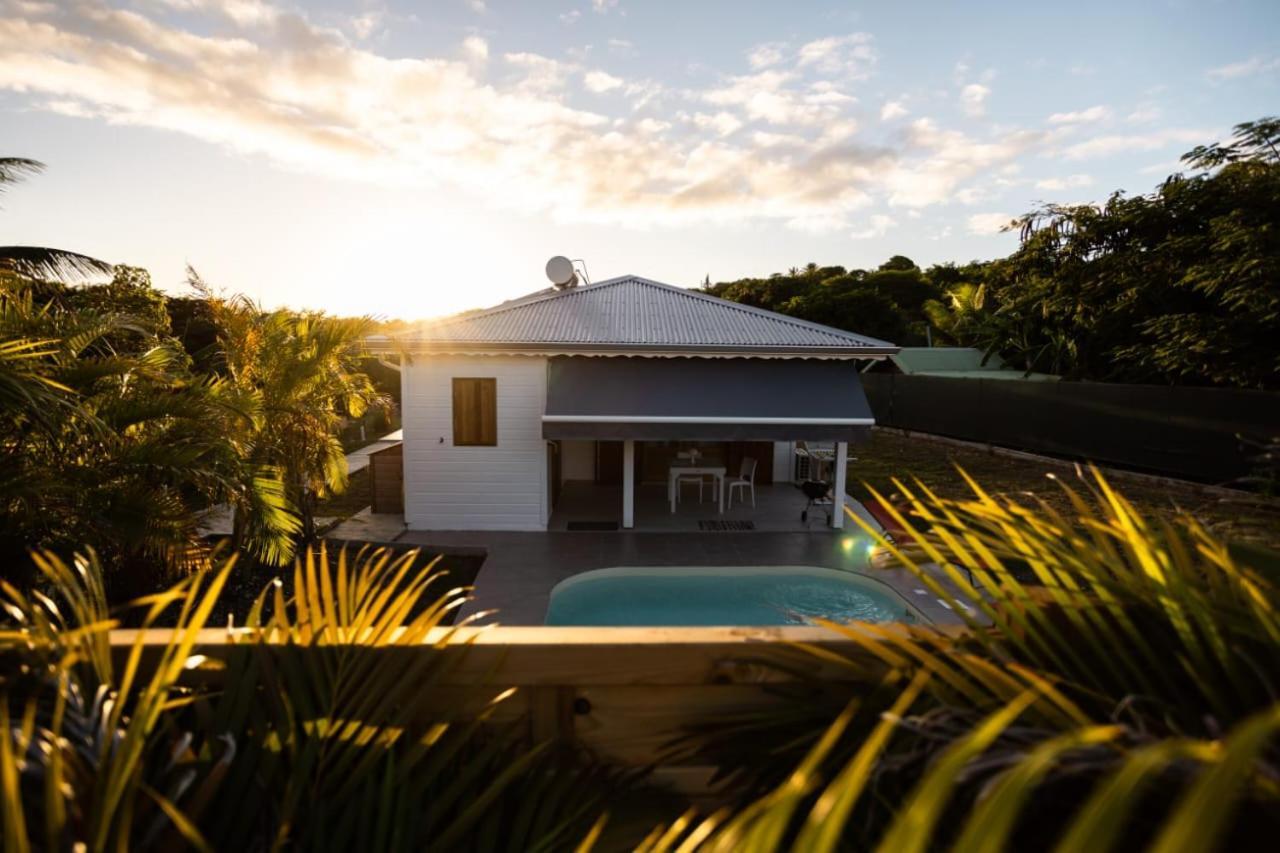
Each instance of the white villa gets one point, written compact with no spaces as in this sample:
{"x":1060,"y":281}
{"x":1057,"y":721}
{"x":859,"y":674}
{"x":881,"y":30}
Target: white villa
{"x":603,"y":388}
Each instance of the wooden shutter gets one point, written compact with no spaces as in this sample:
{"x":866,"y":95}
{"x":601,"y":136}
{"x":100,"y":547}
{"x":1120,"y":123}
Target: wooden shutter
{"x":475,"y":412}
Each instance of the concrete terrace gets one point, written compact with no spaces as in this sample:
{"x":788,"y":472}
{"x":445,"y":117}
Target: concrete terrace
{"x":520,"y":569}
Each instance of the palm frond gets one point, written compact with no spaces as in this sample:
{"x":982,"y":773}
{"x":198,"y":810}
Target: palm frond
{"x":42,"y":263}
{"x":15,"y":169}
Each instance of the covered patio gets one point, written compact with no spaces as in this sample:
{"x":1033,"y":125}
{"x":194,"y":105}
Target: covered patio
{"x":588,"y":506}
{"x":677,"y":405}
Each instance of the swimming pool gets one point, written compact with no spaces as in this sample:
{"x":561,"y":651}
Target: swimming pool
{"x":756,"y":595}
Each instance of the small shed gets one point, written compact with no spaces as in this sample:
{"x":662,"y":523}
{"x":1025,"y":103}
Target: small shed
{"x":386,"y":479}
{"x":956,"y":363}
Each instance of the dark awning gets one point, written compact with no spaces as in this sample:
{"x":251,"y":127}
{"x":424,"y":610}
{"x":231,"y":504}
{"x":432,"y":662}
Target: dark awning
{"x":722,"y":399}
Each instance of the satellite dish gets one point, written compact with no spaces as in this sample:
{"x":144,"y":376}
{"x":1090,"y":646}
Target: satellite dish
{"x":560,"y":271}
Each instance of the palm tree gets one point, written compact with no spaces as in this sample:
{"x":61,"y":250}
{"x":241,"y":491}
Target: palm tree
{"x":108,"y":440}
{"x":302,"y":369}
{"x":39,"y":262}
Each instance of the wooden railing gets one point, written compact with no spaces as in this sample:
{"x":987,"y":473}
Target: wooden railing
{"x":621,"y":693}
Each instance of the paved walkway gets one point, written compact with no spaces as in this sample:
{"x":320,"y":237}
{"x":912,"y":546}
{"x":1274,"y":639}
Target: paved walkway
{"x":521,"y":568}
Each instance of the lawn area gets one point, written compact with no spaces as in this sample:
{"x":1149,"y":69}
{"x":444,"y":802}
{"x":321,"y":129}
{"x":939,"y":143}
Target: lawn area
{"x":1232,"y":515}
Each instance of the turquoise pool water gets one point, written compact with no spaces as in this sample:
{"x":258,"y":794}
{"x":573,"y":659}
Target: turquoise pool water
{"x":772,"y":595}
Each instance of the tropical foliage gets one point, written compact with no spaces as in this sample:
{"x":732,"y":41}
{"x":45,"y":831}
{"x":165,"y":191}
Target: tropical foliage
{"x":107,"y":437}
{"x":319,"y":738}
{"x":1115,"y":687}
{"x":302,"y":372}
{"x":1178,"y":286}
{"x":116,"y":434}
{"x":886,"y":303}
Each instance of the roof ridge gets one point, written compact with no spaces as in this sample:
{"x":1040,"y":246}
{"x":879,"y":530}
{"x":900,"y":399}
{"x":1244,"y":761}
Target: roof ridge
{"x":719,"y":320}
{"x":533,"y":299}
{"x":775,"y":316}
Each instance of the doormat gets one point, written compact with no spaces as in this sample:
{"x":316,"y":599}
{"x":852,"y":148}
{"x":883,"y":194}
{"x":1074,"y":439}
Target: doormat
{"x":726,"y":525}
{"x":591,"y":525}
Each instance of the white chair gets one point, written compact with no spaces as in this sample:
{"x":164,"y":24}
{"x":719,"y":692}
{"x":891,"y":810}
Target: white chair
{"x":745,"y":480}
{"x":689,"y":478}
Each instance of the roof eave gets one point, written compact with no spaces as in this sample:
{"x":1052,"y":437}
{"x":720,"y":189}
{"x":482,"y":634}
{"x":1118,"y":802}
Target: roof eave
{"x":501,"y":347}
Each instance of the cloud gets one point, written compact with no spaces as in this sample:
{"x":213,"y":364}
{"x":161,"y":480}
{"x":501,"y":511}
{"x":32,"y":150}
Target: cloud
{"x":621,"y":47}
{"x":852,"y":56}
{"x":475,"y":48}
{"x":973,"y":99}
{"x":599,"y":81}
{"x":878,"y":226}
{"x":765,"y":55}
{"x":892,"y":110}
{"x":1143,"y":115}
{"x":652,"y":125}
{"x":603,"y":7}
{"x":570,"y":17}
{"x":538,"y":74}
{"x":367,"y":24}
{"x":938,"y":161}
{"x":1247,"y":68}
{"x":1069,"y":182}
{"x":723,"y":123}
{"x":780,"y":97}
{"x":988,"y":223}
{"x":1088,"y":116}
{"x":781,"y":144}
{"x":1112,"y":144}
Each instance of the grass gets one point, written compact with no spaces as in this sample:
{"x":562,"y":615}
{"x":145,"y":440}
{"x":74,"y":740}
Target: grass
{"x":1230,"y":515}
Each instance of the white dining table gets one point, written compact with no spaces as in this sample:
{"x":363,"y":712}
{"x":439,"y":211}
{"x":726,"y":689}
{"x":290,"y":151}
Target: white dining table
{"x":678,"y":471}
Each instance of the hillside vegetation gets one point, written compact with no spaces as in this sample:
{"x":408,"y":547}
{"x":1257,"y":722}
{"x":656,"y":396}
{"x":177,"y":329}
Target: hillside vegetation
{"x":1181,"y":285}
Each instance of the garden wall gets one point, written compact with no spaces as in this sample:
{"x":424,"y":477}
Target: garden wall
{"x":1201,"y":434}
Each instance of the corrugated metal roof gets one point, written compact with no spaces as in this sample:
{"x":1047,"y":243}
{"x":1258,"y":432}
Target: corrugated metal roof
{"x":634,"y":312}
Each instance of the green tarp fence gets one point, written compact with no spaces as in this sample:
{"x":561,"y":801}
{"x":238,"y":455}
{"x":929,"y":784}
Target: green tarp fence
{"x":1206,"y":434}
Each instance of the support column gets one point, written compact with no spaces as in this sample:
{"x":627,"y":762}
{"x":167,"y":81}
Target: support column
{"x":837,"y":489}
{"x":628,"y":484}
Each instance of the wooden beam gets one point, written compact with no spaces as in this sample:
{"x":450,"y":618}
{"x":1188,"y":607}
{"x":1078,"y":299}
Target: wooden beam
{"x":623,"y":693}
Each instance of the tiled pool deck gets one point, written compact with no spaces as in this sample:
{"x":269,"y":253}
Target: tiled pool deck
{"x":521,"y":568}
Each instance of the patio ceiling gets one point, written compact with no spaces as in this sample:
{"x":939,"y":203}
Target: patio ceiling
{"x":711,"y":399}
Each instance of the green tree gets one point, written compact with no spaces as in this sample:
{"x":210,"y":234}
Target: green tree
{"x":302,"y":369}
{"x":887,"y":303}
{"x":1177,"y":286}
{"x":108,"y":440}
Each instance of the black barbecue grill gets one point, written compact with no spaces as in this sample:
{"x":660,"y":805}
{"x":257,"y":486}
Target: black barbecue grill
{"x":816,"y":491}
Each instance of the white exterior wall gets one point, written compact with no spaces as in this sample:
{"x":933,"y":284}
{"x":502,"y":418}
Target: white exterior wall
{"x":474,"y":488}
{"x":784,"y":461}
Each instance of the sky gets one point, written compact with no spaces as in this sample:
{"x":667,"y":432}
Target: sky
{"x":413,"y":159}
